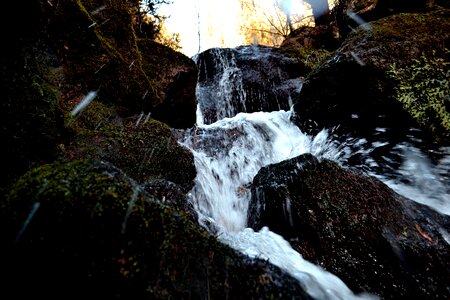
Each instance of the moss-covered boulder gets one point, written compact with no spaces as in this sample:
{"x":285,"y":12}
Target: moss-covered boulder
{"x":84,"y":228}
{"x":99,"y":51}
{"x":355,"y":89}
{"x":351,"y":13}
{"x":58,"y":52}
{"x":142,"y":147}
{"x":31,"y":122}
{"x":177,"y":75}
{"x":311,"y":46}
{"x":355,"y":227}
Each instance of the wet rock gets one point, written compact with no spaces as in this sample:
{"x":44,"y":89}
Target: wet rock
{"x":245,"y":79}
{"x":177,"y":75}
{"x":353,"y":89}
{"x":171,"y":195}
{"x":355,"y":227}
{"x":84,"y":228}
{"x":141,"y":146}
{"x":62,"y":50}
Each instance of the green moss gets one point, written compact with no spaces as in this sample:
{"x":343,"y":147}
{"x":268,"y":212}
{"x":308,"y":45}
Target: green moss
{"x":104,"y":42}
{"x":93,"y":230}
{"x":142,"y":147}
{"x":424,"y":90}
{"x":31,"y":122}
{"x":309,"y":57}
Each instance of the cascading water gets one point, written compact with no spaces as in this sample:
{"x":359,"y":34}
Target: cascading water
{"x":257,"y":73}
{"x":230,"y":152}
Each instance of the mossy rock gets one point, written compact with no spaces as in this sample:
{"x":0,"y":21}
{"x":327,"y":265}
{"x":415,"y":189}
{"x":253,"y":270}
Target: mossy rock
{"x":423,"y":88}
{"x":310,"y":46}
{"x":141,"y":146}
{"x":97,"y":48}
{"x":176,"y":74}
{"x":84,"y":228}
{"x":354,"y":226}
{"x":353,"y":89}
{"x":31,"y":122}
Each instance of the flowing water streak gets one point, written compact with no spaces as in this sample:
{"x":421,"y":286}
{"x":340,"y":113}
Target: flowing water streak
{"x":226,"y":94}
{"x":131,"y":204}
{"x":422,"y":181}
{"x":33,"y":211}
{"x":228,"y":154}
{"x":406,"y":169}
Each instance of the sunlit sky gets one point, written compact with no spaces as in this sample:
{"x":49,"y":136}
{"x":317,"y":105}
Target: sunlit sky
{"x":218,"y":21}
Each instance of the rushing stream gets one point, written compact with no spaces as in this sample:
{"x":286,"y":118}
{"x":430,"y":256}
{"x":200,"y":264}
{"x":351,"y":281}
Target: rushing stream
{"x":229,"y":153}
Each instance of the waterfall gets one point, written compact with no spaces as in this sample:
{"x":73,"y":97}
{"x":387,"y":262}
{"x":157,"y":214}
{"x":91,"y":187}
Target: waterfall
{"x":242,"y":79}
{"x":228,"y":154}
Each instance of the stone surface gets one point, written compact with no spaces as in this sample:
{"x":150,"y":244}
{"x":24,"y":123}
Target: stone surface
{"x":355,"y":227}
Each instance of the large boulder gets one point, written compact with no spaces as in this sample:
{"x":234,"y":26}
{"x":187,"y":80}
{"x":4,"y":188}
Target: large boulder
{"x":177,"y":75}
{"x":349,"y":14}
{"x":84,"y":228}
{"x":355,"y":227}
{"x":144,"y":148}
{"x":361,"y":86}
{"x":98,"y":51}
{"x":61,"y":51}
{"x":245,"y":79}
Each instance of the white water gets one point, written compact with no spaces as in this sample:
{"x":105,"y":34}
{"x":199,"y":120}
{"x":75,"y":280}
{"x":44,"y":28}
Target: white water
{"x":230,"y":152}
{"x":224,"y":91}
{"x":417,"y":177}
{"x":221,"y":196}
{"x":426,"y":183}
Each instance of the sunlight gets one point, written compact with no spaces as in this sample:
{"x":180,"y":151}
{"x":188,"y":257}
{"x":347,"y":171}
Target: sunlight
{"x":204,"y":24}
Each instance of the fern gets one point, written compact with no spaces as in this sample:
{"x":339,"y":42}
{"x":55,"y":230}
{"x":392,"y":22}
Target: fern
{"x":423,"y":88}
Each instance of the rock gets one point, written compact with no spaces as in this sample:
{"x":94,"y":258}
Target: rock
{"x":355,"y":227}
{"x":61,"y":51}
{"x":141,"y":146}
{"x":84,"y":228}
{"x":311,"y":46}
{"x":177,"y":75}
{"x":245,"y":79}
{"x":354,"y":90}
{"x":171,"y":195}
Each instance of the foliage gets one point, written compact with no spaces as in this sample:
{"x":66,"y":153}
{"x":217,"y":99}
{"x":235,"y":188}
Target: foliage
{"x":309,"y":58}
{"x":148,"y":23}
{"x":270,"y":24}
{"x":166,"y":38}
{"x":424,"y":90}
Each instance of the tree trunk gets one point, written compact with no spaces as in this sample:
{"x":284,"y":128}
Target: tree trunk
{"x":320,"y":11}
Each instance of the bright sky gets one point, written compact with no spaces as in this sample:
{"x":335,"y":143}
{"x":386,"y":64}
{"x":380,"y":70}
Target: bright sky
{"x":217,"y":16}
{"x":219,"y":22}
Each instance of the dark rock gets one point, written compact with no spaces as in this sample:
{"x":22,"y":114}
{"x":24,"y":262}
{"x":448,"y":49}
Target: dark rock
{"x":142,"y":147}
{"x":352,"y":13}
{"x":62,"y":50}
{"x":177,"y":75}
{"x":171,"y":195}
{"x":83,"y":228}
{"x":355,"y":227}
{"x":245,"y":79}
{"x":354,"y":91}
